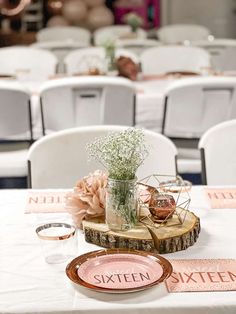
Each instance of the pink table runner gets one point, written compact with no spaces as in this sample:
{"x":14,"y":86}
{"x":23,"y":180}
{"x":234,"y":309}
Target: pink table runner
{"x":45,"y":201}
{"x":202,"y":275}
{"x":221,"y":198}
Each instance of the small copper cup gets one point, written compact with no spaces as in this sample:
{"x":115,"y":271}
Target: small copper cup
{"x":162,"y":206}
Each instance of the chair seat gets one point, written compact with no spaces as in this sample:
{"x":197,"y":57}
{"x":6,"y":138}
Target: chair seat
{"x":13,"y":163}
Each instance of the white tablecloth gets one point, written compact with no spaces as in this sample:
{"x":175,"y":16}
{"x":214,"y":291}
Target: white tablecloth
{"x":29,"y":285}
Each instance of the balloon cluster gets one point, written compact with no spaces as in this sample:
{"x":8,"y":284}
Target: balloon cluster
{"x":91,"y":14}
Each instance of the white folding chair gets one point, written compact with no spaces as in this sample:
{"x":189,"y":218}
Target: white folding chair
{"x":222,"y":53}
{"x":179,"y":33}
{"x":65,"y":33}
{"x":27,"y":63}
{"x":164,"y":59}
{"x":137,"y":46}
{"x":15,"y":129}
{"x":113,"y":32}
{"x":59,"y":160}
{"x":87,"y":100}
{"x":218,"y":151}
{"x":82,"y":60}
{"x":191,"y":107}
{"x":60,"y":49}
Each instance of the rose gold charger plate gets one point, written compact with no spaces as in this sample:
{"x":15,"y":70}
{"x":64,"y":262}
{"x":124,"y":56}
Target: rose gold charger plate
{"x":118,"y":270}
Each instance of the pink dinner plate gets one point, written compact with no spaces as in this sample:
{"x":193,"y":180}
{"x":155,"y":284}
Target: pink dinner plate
{"x":118,"y":270}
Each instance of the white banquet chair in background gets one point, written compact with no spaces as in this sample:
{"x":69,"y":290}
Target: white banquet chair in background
{"x":218,"y":151}
{"x":192,"y":106}
{"x":60,"y":49}
{"x":61,"y":40}
{"x":59,"y":160}
{"x":27,"y":63}
{"x":137,"y":45}
{"x":222,"y":53}
{"x":164,"y":59}
{"x":15,"y":131}
{"x":87,"y":100}
{"x":81,"y":61}
{"x":179,"y":33}
{"x":65,"y":33}
{"x":111,"y":33}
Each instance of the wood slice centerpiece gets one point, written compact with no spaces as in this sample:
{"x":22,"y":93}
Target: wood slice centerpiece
{"x":168,"y":238}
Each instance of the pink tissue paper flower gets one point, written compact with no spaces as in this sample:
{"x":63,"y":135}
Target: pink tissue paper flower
{"x":88,"y":198}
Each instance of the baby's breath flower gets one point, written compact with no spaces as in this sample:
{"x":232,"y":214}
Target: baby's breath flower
{"x":120,"y":153}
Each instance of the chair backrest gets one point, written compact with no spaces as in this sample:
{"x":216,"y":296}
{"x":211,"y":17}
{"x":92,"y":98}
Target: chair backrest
{"x":159,"y":60}
{"x":27,"y":63}
{"x":15,"y":112}
{"x":82,"y":60}
{"x":67,"y":33}
{"x":137,"y":45}
{"x":85,"y":59}
{"x":194,"y":105}
{"x":59,"y":160}
{"x":87,"y":100}
{"x":218,"y":151}
{"x":60,"y":49}
{"x":111,"y":33}
{"x":222,"y":53}
{"x":178,"y":33}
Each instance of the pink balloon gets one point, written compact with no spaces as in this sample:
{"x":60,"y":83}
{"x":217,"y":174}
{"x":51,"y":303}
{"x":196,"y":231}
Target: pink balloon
{"x":57,"y":20}
{"x":94,"y":3}
{"x":99,"y":17}
{"x":74,"y":11}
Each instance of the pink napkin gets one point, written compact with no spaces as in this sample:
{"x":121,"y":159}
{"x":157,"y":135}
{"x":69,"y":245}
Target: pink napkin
{"x":46,"y":202}
{"x":202,"y":275}
{"x":221,"y":198}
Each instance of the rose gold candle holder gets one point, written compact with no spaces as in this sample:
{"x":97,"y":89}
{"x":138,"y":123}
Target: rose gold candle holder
{"x":163,"y":200}
{"x":162,"y":206}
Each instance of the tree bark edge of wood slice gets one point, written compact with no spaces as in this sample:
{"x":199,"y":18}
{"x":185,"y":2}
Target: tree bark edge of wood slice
{"x":145,"y":238}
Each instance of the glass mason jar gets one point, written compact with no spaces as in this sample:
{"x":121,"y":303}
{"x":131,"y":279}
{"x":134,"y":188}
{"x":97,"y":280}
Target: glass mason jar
{"x":121,"y":204}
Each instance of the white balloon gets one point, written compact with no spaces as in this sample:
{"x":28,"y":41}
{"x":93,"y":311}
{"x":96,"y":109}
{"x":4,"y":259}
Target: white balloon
{"x":94,"y":3}
{"x":99,"y":17}
{"x":74,"y":11}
